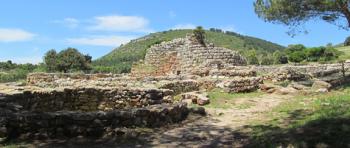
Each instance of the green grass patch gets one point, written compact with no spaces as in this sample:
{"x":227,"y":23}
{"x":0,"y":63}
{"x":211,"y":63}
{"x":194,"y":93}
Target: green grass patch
{"x":307,"y":121}
{"x":346,"y":51}
{"x":223,"y":100}
{"x":244,"y":106}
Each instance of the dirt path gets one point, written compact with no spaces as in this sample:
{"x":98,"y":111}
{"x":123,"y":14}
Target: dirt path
{"x":218,"y":128}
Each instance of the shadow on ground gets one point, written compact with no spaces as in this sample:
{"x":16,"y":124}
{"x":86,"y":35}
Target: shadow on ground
{"x":324,"y":132}
{"x":333,"y":131}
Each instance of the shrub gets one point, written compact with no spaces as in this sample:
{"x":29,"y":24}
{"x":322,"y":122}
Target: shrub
{"x":252,"y":59}
{"x":67,"y":60}
{"x":297,"y":56}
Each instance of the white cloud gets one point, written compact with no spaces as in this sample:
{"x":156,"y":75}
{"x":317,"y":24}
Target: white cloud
{"x":112,"y":41}
{"x":24,"y":60}
{"x":228,"y":28}
{"x":14,"y":35}
{"x":68,"y":22}
{"x":184,"y":26}
{"x":120,"y":23}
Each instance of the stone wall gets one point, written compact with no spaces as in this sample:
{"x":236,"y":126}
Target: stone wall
{"x":241,"y":84}
{"x":233,"y":73}
{"x":181,"y":86}
{"x":60,"y":124}
{"x":314,"y":69}
{"x":77,"y":80}
{"x":89,"y":99}
{"x":88,"y":112}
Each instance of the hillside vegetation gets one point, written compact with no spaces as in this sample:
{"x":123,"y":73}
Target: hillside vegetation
{"x":121,"y":59}
{"x":346,"y":52}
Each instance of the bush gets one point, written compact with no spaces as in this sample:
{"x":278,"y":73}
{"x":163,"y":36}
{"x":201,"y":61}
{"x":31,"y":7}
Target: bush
{"x":266,"y":60}
{"x":67,"y":60}
{"x":297,"y":56}
{"x":299,"y":53}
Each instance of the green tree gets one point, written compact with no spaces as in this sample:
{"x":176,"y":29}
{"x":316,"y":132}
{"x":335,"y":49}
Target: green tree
{"x":72,"y":59}
{"x":67,"y":60}
{"x":252,"y":58}
{"x":266,"y":60}
{"x":50,"y":60}
{"x":296,"y":12}
{"x":199,"y":34}
{"x":297,"y":56}
{"x":294,"y":48}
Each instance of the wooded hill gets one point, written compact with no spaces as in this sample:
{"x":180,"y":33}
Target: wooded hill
{"x":120,"y":59}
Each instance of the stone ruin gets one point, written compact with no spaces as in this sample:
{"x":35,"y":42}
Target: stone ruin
{"x":69,"y":105}
{"x":93,"y":105}
{"x":38,"y":111}
{"x":183,"y":55}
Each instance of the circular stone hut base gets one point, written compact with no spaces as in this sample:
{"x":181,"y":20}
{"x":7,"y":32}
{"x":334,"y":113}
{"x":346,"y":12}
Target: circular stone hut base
{"x":21,"y":116}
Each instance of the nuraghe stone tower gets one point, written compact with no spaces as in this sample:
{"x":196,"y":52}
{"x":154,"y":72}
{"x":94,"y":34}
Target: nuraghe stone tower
{"x":181,"y":56}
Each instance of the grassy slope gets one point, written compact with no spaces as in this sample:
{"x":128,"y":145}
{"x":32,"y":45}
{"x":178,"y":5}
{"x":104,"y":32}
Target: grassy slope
{"x":124,"y":56}
{"x":321,"y":120}
{"x":346,"y":50}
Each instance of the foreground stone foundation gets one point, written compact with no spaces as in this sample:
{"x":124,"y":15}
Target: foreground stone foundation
{"x":35,"y":125}
{"x":87,"y":112}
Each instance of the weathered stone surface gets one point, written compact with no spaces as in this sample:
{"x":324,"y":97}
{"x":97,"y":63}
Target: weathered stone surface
{"x":53,"y":80}
{"x":286,"y":91}
{"x":199,"y":98}
{"x":233,"y":73}
{"x":287,"y":74}
{"x":321,"y":85}
{"x":241,"y":84}
{"x":297,"y":86}
{"x":181,"y":86}
{"x":89,"y":99}
{"x":268,"y":88}
{"x":92,"y":124}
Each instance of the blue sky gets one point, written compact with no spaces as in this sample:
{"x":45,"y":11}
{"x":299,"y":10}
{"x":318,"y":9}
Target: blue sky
{"x":28,"y":29}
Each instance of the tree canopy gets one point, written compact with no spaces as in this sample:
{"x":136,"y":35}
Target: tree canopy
{"x":296,"y":12}
{"x":67,"y":60}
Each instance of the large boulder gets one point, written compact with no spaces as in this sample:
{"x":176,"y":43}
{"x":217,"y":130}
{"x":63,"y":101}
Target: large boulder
{"x":286,"y":91}
{"x":268,"y":88}
{"x":321,"y":86}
